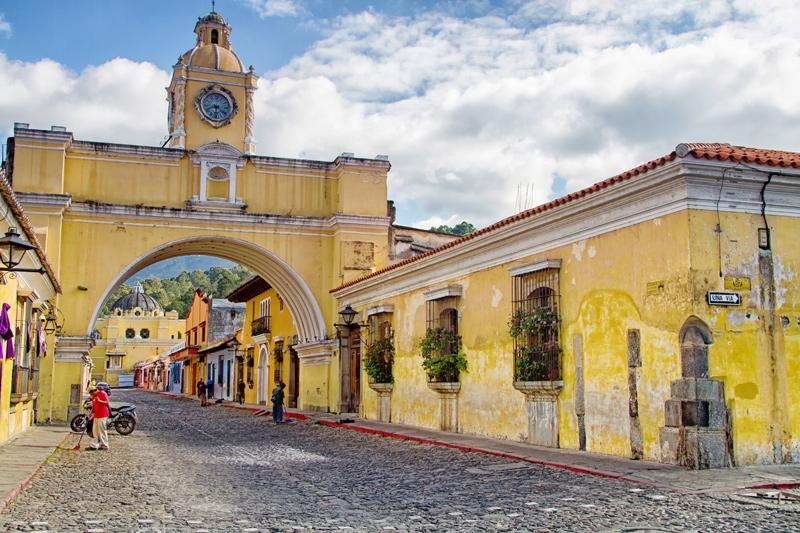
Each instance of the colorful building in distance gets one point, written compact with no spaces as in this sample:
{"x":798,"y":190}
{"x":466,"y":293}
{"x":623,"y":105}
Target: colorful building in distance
{"x":654,"y":315}
{"x":136,"y":329}
{"x":268,"y":341}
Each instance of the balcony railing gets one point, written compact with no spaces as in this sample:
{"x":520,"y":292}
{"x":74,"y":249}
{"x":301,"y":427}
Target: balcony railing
{"x":260,"y":326}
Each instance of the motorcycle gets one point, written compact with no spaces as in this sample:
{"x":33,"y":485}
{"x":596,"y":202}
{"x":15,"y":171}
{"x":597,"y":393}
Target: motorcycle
{"x":123,"y":419}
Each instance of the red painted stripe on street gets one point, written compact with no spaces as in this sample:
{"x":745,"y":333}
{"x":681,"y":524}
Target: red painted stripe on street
{"x":777,"y":486}
{"x":470,"y":449}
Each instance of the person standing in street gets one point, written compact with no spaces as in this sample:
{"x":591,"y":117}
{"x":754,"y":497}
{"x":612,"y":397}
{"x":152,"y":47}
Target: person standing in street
{"x":240,"y":391}
{"x":100,"y":412}
{"x":277,"y":402}
{"x":201,"y":393}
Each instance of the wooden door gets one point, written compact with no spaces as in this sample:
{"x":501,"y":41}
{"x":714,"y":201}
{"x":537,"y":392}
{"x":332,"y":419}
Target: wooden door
{"x":355,"y":370}
{"x":294,"y":377}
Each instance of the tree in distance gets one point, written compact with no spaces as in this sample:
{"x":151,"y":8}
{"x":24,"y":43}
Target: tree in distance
{"x":462,"y":228}
{"x":176,"y":293}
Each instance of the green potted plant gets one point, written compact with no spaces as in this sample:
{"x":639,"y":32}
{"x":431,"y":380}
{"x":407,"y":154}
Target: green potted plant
{"x":537,"y":353}
{"x":442,"y":357}
{"x":378,"y":359}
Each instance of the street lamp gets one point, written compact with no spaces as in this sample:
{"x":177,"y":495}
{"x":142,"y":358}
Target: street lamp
{"x":53,"y":322}
{"x":12,"y":251}
{"x":348,"y":314}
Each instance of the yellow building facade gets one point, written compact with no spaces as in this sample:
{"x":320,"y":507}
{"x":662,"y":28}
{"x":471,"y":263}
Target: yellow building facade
{"x":105,"y":211}
{"x":268,"y":341}
{"x":27,"y":356}
{"x":676,"y":299}
{"x":136,"y":329}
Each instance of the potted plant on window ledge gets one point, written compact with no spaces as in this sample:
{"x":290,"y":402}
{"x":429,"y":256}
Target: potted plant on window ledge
{"x":378,"y":361}
{"x":443,"y":361}
{"x":537,"y":370}
{"x":442,"y":357}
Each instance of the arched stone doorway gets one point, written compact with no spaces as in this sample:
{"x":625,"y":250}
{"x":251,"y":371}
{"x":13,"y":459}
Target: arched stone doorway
{"x":263,"y":375}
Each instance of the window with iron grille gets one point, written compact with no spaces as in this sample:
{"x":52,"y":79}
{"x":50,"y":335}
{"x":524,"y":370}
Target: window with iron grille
{"x":250,"y":363}
{"x":443,"y":313}
{"x":380,"y":327}
{"x":535,"y":326}
{"x":379,"y":350}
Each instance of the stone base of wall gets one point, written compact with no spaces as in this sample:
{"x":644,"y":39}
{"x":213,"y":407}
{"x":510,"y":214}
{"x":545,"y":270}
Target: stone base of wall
{"x":541,"y":401}
{"x":696,"y":425}
{"x":384,"y":391}
{"x":448,"y":405}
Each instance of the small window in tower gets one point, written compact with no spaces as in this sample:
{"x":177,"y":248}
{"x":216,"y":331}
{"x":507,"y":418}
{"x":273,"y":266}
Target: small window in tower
{"x":214,"y":37}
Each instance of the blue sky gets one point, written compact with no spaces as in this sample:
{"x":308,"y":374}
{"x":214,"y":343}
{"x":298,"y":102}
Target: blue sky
{"x":473,"y":100}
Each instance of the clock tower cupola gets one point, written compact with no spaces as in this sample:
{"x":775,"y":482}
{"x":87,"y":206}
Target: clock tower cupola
{"x":211,"y":94}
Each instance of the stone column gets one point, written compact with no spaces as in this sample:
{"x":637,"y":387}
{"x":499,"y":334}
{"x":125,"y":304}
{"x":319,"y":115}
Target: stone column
{"x":541,"y":400}
{"x":448,"y":405}
{"x":72,"y":362}
{"x":384,"y":391}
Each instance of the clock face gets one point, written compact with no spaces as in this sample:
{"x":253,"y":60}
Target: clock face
{"x":216,"y":106}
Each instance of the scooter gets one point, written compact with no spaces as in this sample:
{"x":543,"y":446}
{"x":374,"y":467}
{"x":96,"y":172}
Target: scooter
{"x":123,"y":419}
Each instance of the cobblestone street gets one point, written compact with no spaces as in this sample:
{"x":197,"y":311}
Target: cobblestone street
{"x":188,"y":468}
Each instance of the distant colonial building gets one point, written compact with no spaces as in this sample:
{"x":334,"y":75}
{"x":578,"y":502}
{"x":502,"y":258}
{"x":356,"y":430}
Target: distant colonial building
{"x":136,"y":329}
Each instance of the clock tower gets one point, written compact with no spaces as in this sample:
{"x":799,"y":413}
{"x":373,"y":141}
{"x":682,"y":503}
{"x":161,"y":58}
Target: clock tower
{"x":211,"y":94}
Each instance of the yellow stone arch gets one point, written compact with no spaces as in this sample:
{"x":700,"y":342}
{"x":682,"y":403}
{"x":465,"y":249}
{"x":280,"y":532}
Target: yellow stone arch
{"x":302,"y":304}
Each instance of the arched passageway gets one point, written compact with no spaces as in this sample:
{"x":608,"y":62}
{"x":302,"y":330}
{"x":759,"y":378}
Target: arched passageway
{"x":305,"y":310}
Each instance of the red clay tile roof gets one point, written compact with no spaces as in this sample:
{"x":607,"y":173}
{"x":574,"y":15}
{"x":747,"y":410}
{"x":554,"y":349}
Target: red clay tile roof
{"x":727,"y":152}
{"x":717,"y":151}
{"x":11,"y":199}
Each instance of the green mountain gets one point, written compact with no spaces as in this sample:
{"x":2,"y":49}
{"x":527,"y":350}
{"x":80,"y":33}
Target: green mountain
{"x":170,"y":268}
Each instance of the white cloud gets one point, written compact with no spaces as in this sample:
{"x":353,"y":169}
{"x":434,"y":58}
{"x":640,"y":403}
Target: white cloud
{"x":275,"y":8}
{"x":5,"y":26}
{"x":118,"y":101}
{"x":435,"y":221}
{"x":470,"y":109}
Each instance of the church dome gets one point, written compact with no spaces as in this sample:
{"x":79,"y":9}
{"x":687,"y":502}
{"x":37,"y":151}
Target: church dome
{"x":136,"y":300}
{"x":213,"y":56}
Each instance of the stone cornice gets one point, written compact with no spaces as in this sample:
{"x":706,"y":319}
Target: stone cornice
{"x":675,"y":186}
{"x":57,"y":203}
{"x":249,"y":219}
{"x":112,"y":149}
{"x":62,"y":137}
{"x":286,"y":163}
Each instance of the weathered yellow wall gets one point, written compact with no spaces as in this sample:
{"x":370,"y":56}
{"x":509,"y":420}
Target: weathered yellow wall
{"x":39,"y":166}
{"x":489,"y":405}
{"x":761,"y":379}
{"x":129,"y":180}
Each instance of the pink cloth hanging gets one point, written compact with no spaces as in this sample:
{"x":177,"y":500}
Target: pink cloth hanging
{"x":6,"y":332}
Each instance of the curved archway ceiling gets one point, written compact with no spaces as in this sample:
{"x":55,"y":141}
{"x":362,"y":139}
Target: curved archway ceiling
{"x":302,"y":305}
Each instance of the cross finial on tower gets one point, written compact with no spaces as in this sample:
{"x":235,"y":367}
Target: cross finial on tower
{"x":213,"y":6}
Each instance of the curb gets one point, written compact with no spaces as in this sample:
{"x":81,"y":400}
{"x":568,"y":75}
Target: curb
{"x":484,"y":451}
{"x":777,"y":486}
{"x":8,"y":500}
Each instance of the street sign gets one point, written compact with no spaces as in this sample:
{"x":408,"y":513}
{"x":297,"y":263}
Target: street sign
{"x":723,"y":298}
